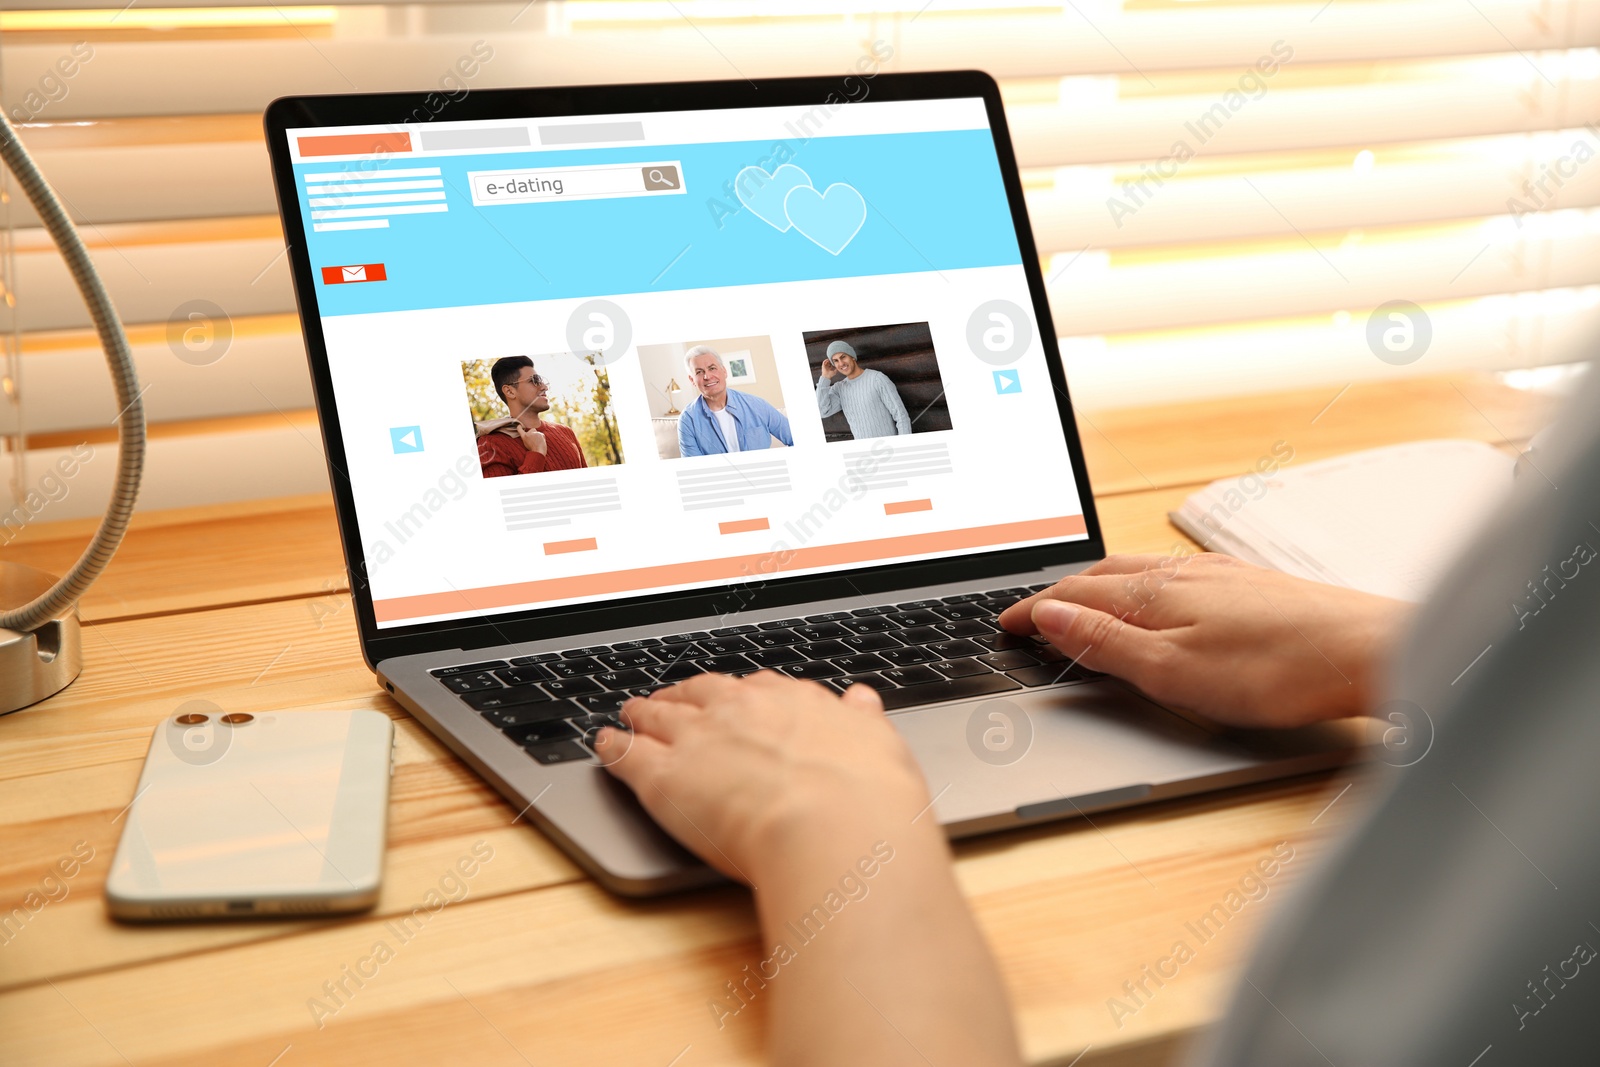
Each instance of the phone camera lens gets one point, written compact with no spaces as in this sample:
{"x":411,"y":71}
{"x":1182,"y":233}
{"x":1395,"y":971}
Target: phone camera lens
{"x":237,"y":718}
{"x":190,"y":719}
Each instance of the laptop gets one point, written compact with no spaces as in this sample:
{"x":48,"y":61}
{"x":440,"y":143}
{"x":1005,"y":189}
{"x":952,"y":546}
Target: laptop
{"x":619,"y":384}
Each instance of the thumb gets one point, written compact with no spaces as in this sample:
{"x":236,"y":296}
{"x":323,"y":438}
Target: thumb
{"x":864,"y":697}
{"x":1097,"y":640}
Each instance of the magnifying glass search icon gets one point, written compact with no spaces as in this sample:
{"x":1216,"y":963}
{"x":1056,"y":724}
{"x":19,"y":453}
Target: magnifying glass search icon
{"x":661,"y":178}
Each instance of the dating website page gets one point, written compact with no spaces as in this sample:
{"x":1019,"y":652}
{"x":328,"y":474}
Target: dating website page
{"x":589,"y":358}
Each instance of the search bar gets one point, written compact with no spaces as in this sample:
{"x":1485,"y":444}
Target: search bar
{"x":544,"y":184}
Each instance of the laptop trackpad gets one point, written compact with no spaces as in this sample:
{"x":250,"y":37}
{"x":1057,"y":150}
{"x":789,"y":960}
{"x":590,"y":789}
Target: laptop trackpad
{"x":1078,"y":748}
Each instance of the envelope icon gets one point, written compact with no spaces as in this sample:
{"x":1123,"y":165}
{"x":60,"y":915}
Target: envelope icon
{"x":354,"y":272}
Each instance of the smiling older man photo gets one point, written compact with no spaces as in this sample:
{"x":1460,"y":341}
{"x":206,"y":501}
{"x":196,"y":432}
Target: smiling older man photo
{"x":722,"y":420}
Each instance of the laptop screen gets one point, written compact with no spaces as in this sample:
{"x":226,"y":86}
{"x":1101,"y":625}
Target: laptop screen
{"x":593,"y":358}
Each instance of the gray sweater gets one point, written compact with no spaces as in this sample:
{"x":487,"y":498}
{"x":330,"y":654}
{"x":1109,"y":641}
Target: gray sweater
{"x":870,"y":403}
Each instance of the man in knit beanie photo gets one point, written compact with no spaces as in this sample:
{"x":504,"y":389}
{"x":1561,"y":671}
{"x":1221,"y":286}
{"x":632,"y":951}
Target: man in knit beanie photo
{"x":869,"y":400}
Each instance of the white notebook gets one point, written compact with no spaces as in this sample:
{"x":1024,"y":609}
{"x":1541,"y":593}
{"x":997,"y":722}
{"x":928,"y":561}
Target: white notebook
{"x":1388,"y":521}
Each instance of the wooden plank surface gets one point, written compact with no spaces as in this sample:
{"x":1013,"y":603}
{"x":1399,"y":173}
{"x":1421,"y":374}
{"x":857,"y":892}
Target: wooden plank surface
{"x":244,"y":607}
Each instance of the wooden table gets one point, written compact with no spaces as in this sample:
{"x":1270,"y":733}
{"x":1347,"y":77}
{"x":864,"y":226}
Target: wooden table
{"x":245,"y":606}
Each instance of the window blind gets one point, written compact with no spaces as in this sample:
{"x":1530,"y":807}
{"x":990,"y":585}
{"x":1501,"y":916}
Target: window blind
{"x":1223,"y":192}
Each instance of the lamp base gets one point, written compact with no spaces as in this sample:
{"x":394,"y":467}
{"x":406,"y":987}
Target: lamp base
{"x":41,"y":663}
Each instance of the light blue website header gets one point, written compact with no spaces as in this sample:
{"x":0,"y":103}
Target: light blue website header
{"x":733,"y":213}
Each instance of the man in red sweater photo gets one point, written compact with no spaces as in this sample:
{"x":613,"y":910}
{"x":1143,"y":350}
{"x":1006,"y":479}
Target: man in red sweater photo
{"x":524,"y":443}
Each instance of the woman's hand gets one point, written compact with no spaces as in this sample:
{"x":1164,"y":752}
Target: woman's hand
{"x":753,"y":773}
{"x":868,"y":953}
{"x":1211,"y":634}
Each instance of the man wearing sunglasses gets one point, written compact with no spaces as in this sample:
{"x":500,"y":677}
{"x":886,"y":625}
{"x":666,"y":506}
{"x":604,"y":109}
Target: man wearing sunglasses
{"x":524,"y":443}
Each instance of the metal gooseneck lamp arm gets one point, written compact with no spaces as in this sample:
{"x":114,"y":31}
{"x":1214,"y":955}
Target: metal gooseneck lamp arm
{"x":44,"y":606}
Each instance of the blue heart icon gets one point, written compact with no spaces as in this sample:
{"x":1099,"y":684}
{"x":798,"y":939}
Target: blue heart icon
{"x":829,"y":219}
{"x":763,"y":193}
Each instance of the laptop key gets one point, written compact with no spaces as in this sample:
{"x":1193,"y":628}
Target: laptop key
{"x":871,"y":625}
{"x":523,"y":675}
{"x":829,"y":616}
{"x":914,"y":618}
{"x":960,"y":611}
{"x":877,"y":681}
{"x":727,"y":646}
{"x":588,"y":650}
{"x":575,"y":668}
{"x":1009,"y":660}
{"x":542,"y":657}
{"x":622,"y":679}
{"x":825,"y":650}
{"x":964,"y":628}
{"x":467,"y":668}
{"x":643,"y":642}
{"x":519,"y":716}
{"x":590,"y":725}
{"x":919,"y":605}
{"x":781,"y":624}
{"x":727,"y":665}
{"x":1016,"y":592}
{"x":865,"y":663}
{"x":869,"y":642}
{"x":571,"y":687}
{"x":731,"y":631}
{"x":815,"y":670}
{"x":539,"y":733}
{"x":619,"y":661}
{"x":677,"y":639}
{"x":774,"y":657}
{"x":947,"y":689}
{"x":963,"y":598}
{"x":600,"y":703}
{"x":674,"y":653}
{"x":1041,"y":587}
{"x":1004,"y":642}
{"x":467,"y":683}
{"x":1049,"y":674}
{"x":906,"y":657}
{"x":776,"y":638}
{"x":821,"y":631}
{"x":558,"y":752}
{"x":959,"y":649}
{"x":911,"y":675}
{"x":677,"y":672}
{"x":919,"y":635}
{"x":885,"y":609}
{"x":958,"y":668}
{"x":515,"y":697}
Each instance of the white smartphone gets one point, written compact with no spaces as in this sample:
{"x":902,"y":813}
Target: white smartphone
{"x":241,"y":814}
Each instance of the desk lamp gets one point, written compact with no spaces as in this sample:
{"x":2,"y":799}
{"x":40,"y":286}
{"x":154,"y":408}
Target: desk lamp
{"x":41,"y":645}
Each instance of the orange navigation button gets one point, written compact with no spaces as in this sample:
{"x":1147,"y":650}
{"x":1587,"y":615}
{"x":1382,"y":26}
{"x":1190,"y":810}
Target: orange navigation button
{"x":900,"y":507}
{"x":583,"y":544}
{"x":354,"y":144}
{"x":743,"y":526}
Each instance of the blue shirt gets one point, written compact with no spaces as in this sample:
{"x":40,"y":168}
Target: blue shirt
{"x":758,"y":421}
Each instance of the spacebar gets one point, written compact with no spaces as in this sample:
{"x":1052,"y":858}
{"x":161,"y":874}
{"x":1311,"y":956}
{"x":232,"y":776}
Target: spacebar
{"x":976,"y":685}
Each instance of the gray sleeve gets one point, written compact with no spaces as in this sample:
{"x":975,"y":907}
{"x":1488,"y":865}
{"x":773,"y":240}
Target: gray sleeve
{"x":828,"y":402}
{"x":1456,"y":921}
{"x":897,"y":407}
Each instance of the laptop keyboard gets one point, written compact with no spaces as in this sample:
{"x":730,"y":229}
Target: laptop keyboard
{"x":919,"y":652}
